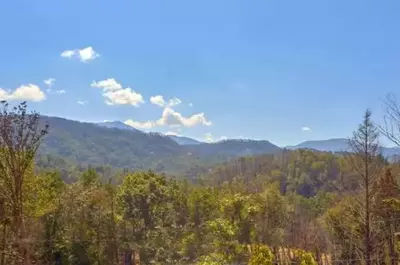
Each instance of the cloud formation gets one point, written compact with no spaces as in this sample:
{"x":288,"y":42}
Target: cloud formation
{"x":170,"y":133}
{"x":28,"y":92}
{"x":49,"y":82}
{"x":82,"y":102}
{"x":159,"y":101}
{"x":140,"y":125}
{"x":306,"y":129}
{"x":115,"y":94}
{"x":172,"y":118}
{"x":84,"y":55}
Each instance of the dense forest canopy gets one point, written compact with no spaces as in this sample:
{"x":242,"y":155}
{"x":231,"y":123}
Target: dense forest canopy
{"x":291,"y":206}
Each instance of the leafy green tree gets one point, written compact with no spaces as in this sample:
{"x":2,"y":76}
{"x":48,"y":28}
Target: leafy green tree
{"x":20,"y":137}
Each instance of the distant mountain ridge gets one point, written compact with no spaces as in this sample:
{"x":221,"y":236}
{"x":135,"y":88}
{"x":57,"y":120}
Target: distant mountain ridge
{"x":182,"y":140}
{"x":113,"y":144}
{"x":118,"y":146}
{"x":328,"y":145}
{"x":117,"y":125}
{"x":339,"y":145}
{"x":331,"y":145}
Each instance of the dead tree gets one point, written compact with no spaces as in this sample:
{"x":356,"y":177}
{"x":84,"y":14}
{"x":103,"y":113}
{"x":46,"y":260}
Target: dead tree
{"x":20,"y":136}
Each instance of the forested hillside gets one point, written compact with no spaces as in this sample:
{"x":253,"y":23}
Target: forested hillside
{"x":96,"y":145}
{"x":304,"y":172}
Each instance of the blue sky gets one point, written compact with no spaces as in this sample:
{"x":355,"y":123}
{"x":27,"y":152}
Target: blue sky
{"x":252,"y":69}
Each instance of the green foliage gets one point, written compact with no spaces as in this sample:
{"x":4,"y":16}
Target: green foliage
{"x":252,"y":210}
{"x":212,"y":259}
{"x":305,"y":258}
{"x":261,"y":255}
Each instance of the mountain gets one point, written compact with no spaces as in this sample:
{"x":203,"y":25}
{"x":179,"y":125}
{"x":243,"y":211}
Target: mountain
{"x":331,"y":145}
{"x":340,"y":145}
{"x":117,"y":125}
{"x":181,"y":140}
{"x":88,"y":143}
{"x":234,"y":148}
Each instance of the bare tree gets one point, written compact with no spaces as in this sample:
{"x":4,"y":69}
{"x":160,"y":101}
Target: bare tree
{"x":391,"y":122}
{"x":367,"y":162}
{"x":20,"y":137}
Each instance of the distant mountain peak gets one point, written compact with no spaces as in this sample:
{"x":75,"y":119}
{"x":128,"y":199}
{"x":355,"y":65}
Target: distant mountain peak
{"x":330,"y":145}
{"x":182,"y":140}
{"x":117,"y":125}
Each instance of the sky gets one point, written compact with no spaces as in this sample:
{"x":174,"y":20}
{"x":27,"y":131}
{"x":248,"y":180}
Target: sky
{"x":283,"y":71}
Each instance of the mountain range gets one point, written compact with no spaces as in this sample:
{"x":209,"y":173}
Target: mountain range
{"x":329,"y":145}
{"x":340,"y":145}
{"x":114,"y":144}
{"x":118,"y":145}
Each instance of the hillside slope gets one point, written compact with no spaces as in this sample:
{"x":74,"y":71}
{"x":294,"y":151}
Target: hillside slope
{"x":88,"y":143}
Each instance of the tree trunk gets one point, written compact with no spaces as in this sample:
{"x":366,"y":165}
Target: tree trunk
{"x":3,"y":244}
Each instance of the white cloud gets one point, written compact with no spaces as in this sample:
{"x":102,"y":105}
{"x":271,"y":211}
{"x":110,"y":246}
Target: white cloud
{"x":82,"y":102}
{"x":172,"y":133}
{"x":87,"y":54}
{"x":84,"y":55}
{"x":68,"y":53}
{"x":306,"y":129}
{"x":208,"y":138}
{"x":49,"y":82}
{"x":173,"y":102}
{"x":126,"y":96}
{"x":190,"y":104}
{"x":140,"y":125}
{"x":115,"y":94}
{"x":159,"y":101}
{"x":61,"y":91}
{"x":29,"y":92}
{"x":223,"y":138}
{"x":172,"y":118}
{"x":108,"y":84}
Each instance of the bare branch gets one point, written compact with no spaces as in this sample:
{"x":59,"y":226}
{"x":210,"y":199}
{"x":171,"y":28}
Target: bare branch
{"x":391,"y":126}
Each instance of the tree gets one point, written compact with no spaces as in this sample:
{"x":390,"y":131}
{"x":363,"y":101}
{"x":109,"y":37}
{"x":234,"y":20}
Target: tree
{"x":386,"y":192}
{"x":391,"y":127}
{"x":20,"y":136}
{"x":367,"y":163}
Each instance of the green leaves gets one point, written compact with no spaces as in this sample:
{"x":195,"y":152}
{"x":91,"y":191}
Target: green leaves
{"x":261,"y":255}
